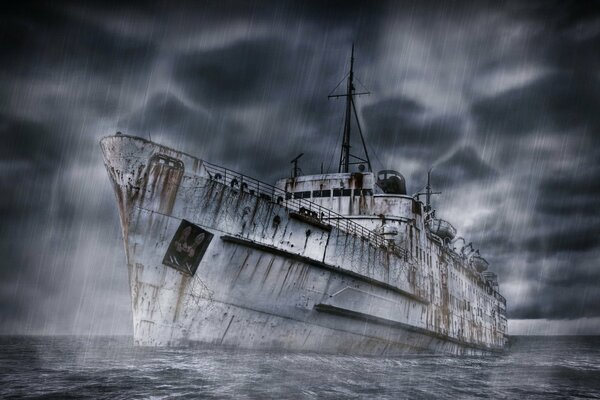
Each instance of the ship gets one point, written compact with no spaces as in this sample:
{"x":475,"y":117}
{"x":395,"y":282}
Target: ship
{"x":339,"y":263}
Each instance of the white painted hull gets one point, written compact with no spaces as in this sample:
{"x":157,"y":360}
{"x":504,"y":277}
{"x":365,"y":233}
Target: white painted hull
{"x":263,"y":282}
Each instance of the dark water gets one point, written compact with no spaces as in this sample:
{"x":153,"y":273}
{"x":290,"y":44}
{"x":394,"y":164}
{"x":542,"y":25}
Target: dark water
{"x":75,"y":367}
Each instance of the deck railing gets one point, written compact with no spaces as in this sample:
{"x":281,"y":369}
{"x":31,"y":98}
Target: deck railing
{"x":303,"y":206}
{"x":499,"y":297}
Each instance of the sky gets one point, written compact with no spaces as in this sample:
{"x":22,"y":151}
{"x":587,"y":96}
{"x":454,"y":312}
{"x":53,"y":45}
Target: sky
{"x":502,"y":99}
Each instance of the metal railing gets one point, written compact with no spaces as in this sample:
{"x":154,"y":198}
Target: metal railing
{"x":499,"y":297}
{"x":238,"y":181}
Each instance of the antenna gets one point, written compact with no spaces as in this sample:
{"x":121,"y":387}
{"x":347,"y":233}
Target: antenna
{"x":350,"y":93}
{"x":295,"y":162}
{"x":428,"y":191}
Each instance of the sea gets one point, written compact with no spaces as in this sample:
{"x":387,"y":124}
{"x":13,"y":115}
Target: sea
{"x":72,"y":367}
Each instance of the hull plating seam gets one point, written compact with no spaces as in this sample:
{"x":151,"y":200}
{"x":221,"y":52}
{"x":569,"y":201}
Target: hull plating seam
{"x":304,"y":321}
{"x":326,"y":308}
{"x":280,"y":252}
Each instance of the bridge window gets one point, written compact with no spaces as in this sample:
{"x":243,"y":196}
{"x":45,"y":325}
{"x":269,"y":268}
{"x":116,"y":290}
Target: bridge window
{"x":348,"y":192}
{"x":321,"y":193}
{"x":302,"y":195}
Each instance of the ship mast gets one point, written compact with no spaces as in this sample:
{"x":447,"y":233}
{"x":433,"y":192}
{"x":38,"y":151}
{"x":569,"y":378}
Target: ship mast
{"x":345,"y":154}
{"x":350,"y":108}
{"x":428,"y":194}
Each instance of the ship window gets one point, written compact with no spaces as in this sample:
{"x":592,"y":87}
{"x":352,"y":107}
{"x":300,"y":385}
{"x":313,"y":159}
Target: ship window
{"x":167,"y":161}
{"x":288,"y":196}
{"x":302,"y":195}
{"x":347,"y":192}
{"x":322,"y":193}
{"x":337,"y":192}
{"x":367,"y":192}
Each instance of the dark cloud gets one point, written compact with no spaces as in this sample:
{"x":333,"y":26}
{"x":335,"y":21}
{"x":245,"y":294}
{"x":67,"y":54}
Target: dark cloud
{"x":557,"y":103}
{"x":561,"y":41}
{"x":27,"y":141}
{"x":464,"y":166}
{"x":248,"y":71}
{"x":165,"y":112}
{"x":572,"y":239}
{"x":517,"y":162}
{"x":561,"y":288}
{"x":28,"y":157}
{"x":405,"y":125}
{"x":567,"y":213}
{"x":560,"y":302}
{"x":570,"y":195}
{"x":558,"y":15}
{"x":42,"y":40}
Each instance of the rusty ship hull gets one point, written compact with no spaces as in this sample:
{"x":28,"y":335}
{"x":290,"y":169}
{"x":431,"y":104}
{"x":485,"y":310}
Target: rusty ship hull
{"x":215,"y":258}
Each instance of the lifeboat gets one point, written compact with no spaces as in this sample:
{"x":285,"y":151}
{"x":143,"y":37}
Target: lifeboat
{"x":491,"y":277}
{"x":441,"y":228}
{"x":479,"y":263}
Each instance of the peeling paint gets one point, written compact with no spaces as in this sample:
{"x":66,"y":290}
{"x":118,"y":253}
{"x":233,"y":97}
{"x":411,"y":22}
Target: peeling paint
{"x":273,"y":295}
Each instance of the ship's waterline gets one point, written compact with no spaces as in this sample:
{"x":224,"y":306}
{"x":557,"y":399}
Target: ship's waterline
{"x":326,"y":263}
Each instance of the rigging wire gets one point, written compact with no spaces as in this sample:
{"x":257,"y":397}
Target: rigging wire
{"x":339,"y":83}
{"x":376,"y":156}
{"x":362,"y":84}
{"x":361,"y":136}
{"x":335,"y":147}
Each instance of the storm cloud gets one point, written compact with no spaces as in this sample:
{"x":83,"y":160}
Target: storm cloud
{"x":500,"y":98}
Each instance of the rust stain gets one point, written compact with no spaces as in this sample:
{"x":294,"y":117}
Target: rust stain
{"x":241,"y":268}
{"x":180,"y":294}
{"x":268,"y":269}
{"x":226,"y":329}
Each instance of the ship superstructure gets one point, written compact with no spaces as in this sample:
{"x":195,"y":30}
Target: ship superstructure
{"x":342,"y":262}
